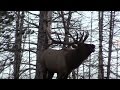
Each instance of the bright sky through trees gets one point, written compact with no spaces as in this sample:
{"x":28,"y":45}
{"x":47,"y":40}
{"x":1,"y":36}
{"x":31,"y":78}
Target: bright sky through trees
{"x":84,"y":20}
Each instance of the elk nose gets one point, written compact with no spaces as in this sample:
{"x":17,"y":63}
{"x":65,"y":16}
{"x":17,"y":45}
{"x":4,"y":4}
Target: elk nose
{"x":93,"y":47}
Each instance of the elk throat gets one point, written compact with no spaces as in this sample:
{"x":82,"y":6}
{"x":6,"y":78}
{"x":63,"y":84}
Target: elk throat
{"x":73,"y":59}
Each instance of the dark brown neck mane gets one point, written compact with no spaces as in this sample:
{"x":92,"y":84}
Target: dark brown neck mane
{"x":74,"y":58}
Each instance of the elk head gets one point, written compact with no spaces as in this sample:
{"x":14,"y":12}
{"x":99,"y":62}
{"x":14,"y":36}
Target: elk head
{"x":64,"y":61}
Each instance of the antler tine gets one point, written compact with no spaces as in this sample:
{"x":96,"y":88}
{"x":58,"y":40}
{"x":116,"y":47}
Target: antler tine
{"x":58,"y":36}
{"x":58,"y":42}
{"x":81,"y":37}
{"x":76,"y":35}
{"x":86,"y":36}
{"x":72,"y":38}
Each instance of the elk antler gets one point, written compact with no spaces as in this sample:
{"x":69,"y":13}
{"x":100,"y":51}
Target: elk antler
{"x":85,"y":37}
{"x":59,"y":42}
{"x":81,"y":37}
{"x":76,"y":35}
{"x":75,"y":41}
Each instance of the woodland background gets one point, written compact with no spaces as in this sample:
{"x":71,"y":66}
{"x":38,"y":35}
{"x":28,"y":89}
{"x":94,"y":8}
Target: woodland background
{"x":22,"y":39}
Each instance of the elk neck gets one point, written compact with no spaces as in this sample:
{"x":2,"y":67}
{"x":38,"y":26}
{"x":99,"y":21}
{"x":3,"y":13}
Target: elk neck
{"x":73,"y":59}
{"x":84,"y":50}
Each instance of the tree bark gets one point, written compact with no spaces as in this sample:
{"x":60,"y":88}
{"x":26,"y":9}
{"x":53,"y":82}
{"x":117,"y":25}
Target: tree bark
{"x":44,"y":24}
{"x":66,"y":25}
{"x":18,"y":41}
{"x":90,"y":42}
{"x":112,"y":15}
{"x":100,"y":68}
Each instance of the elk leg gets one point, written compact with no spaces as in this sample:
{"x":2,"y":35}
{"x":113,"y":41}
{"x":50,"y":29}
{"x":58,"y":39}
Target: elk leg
{"x":44,"y":74}
{"x":50,"y":75}
{"x":65,"y":76}
{"x":62,"y":75}
{"x":59,"y":76}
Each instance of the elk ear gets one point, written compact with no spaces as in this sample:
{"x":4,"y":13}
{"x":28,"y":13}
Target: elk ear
{"x":74,"y":46}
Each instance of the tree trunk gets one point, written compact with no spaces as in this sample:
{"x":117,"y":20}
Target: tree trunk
{"x":100,"y":68}
{"x":66,"y":25}
{"x":90,"y":42}
{"x":117,"y":63}
{"x":44,"y":24}
{"x":112,"y":15}
{"x":18,"y":41}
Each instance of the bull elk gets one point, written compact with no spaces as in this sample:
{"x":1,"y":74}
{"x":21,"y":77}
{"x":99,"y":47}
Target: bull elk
{"x":64,"y":61}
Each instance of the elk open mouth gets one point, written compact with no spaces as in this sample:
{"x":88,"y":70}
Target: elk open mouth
{"x":92,"y":48}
